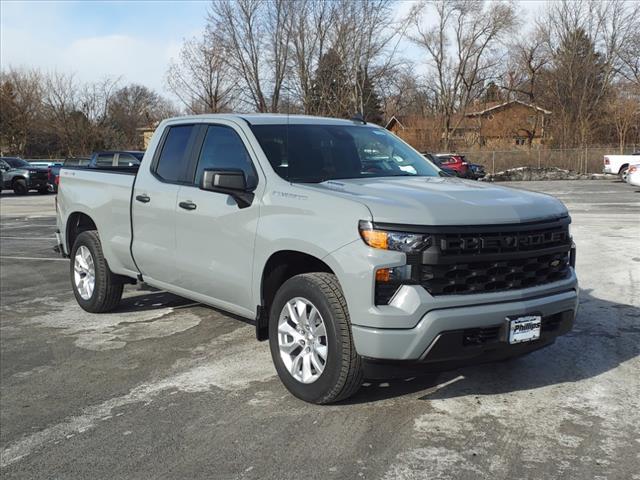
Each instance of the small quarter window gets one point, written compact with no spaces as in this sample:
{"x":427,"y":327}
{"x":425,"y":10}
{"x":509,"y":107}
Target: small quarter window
{"x":127,"y":160}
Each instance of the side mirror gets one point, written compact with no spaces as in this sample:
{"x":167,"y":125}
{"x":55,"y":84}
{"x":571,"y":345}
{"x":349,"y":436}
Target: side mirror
{"x":232,"y":182}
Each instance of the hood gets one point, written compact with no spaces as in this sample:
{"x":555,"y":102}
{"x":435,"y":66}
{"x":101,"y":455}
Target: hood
{"x":445,"y":201}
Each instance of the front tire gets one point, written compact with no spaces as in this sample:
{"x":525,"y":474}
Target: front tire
{"x":96,"y":288}
{"x":20,"y":187}
{"x":310,"y":339}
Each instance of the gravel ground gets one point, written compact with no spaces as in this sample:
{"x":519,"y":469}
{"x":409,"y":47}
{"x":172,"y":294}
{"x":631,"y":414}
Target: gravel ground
{"x":164,"y":388}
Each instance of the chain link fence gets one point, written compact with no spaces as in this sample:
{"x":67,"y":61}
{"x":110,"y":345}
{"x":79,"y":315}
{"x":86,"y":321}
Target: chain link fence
{"x":580,"y":160}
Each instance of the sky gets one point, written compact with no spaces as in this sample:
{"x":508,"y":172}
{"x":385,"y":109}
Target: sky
{"x":132,"y":40}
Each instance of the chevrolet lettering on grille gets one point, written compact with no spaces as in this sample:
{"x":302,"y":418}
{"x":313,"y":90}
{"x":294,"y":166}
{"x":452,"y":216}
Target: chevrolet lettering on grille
{"x":503,"y":241}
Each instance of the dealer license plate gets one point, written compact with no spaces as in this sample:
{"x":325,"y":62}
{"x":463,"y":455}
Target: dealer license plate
{"x":524,"y":329}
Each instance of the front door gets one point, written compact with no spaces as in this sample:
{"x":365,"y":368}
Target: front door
{"x":215,"y":237}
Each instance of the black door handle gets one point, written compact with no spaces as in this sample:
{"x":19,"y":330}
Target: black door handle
{"x":143,"y":198}
{"x":187,"y":205}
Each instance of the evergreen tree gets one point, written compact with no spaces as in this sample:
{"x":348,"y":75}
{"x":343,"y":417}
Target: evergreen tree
{"x":331,"y":89}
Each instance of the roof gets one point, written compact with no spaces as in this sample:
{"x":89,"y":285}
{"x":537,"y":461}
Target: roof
{"x":502,"y":105}
{"x":269,"y":119}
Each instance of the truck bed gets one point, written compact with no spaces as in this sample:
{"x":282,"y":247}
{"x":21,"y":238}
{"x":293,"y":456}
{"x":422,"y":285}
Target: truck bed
{"x":104,"y":194}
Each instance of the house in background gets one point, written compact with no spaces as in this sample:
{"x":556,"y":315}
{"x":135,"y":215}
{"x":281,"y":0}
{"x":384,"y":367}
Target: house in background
{"x":504,"y":125}
{"x":146,"y":133}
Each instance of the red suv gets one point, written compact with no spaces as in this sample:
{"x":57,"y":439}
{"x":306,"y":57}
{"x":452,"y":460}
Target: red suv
{"x":455,"y":162}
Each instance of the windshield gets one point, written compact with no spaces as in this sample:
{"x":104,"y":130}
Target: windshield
{"x":17,"y":162}
{"x":315,"y":153}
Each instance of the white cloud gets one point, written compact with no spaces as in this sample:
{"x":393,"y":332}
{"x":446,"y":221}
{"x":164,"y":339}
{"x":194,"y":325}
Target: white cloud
{"x":46,"y":36}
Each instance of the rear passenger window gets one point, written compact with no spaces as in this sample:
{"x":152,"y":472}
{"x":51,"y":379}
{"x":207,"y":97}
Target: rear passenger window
{"x":105,"y":160}
{"x":223,"y":149}
{"x":173,"y":162}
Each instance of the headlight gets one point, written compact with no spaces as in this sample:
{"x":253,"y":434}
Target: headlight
{"x":389,"y":240}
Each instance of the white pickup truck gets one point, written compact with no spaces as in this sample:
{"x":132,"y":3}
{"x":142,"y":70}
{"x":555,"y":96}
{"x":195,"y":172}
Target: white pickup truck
{"x":619,"y":164}
{"x":352,"y":253}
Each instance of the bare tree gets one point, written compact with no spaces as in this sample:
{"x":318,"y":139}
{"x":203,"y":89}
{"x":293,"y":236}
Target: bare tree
{"x":586,"y":41}
{"x":255,"y":37}
{"x":623,"y":107}
{"x":461,"y":49}
{"x":20,"y":108}
{"x":201,"y":78}
{"x":311,"y":22}
{"x":60,"y":101}
{"x":133,"y":107}
{"x":366,"y":37}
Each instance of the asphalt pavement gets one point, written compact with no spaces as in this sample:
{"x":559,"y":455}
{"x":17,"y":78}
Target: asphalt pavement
{"x":164,"y":388}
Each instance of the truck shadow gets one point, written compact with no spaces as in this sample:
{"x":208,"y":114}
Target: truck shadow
{"x":605,"y":335}
{"x":153,"y":299}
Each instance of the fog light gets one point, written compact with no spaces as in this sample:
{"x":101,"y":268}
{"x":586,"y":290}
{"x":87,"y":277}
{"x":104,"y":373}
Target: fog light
{"x":394,"y":274}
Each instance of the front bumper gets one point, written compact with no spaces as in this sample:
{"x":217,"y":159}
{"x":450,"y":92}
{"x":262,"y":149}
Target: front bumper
{"x":440,"y":335}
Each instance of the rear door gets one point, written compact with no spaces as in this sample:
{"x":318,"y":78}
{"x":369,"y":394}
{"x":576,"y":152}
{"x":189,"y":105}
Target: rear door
{"x":154,"y":204}
{"x":215,"y":237}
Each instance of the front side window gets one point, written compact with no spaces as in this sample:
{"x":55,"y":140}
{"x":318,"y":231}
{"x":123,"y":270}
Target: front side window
{"x":223,"y":149}
{"x":315,"y":153}
{"x":17,"y":163}
{"x":173,"y":162}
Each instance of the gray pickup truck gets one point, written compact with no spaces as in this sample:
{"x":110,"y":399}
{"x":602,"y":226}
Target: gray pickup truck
{"x":349,"y":250}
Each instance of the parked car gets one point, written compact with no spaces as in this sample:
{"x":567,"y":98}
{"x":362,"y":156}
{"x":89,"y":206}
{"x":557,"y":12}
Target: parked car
{"x":116,"y":158}
{"x":54,"y":171}
{"x":343,"y":270}
{"x":20,"y":176}
{"x":476,"y":171}
{"x":455,"y":162}
{"x":633,"y":175}
{"x":438,"y":162}
{"x":618,"y":164}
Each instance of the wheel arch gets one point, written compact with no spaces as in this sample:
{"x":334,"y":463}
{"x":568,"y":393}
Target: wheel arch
{"x":77,"y":223}
{"x":622,"y":167}
{"x":280,"y":267}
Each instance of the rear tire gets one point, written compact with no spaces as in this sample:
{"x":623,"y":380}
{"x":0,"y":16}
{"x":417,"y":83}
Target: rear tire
{"x":342,"y":371}
{"x":20,"y":187}
{"x":43,"y":191}
{"x":106,"y":292}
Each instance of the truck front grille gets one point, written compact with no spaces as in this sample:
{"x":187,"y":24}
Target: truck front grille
{"x":480,"y":259}
{"x":493,"y":276}
{"x":496,"y":258}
